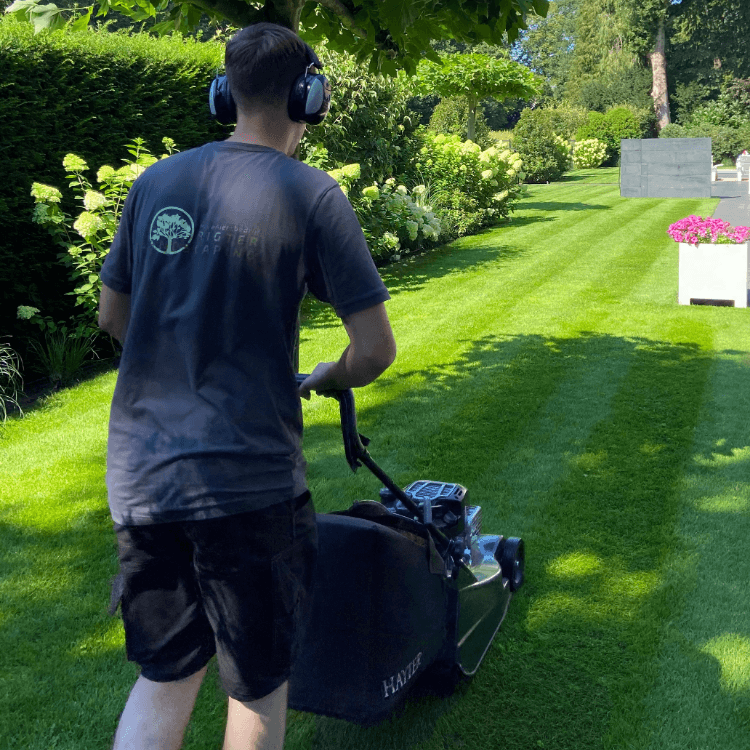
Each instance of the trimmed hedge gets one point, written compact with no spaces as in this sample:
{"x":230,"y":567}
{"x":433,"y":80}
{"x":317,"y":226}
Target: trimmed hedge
{"x":90,"y":93}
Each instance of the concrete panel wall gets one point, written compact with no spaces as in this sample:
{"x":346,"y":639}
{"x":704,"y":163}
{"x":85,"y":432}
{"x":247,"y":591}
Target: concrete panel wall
{"x":665,"y":168}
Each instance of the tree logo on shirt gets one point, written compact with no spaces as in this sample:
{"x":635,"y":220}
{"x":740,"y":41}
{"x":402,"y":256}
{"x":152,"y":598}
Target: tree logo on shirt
{"x":171,"y":230}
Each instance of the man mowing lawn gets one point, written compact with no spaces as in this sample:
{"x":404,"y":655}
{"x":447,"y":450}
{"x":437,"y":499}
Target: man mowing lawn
{"x":205,"y":475}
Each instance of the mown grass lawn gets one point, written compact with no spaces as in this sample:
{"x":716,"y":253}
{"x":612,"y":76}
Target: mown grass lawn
{"x":545,"y":365}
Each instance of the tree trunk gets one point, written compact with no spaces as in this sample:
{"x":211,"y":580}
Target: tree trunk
{"x":471,"y":127}
{"x":659,"y":94}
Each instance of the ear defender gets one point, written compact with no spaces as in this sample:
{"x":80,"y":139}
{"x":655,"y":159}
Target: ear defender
{"x":309,"y":98}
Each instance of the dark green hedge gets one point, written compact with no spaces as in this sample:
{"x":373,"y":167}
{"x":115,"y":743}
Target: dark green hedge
{"x":88,"y":93}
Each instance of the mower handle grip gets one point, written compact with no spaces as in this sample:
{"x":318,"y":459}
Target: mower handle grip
{"x":354,"y":443}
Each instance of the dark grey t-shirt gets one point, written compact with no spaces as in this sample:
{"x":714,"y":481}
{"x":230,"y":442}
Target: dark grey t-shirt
{"x":217,"y":246}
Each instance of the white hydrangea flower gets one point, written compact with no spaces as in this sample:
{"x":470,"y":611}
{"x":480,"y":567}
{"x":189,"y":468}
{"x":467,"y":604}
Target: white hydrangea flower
{"x":487,"y":174}
{"x":87,"y":224}
{"x":413,"y":228}
{"x":42,"y":193}
{"x":419,"y":190}
{"x":390,"y":181}
{"x":93,"y":200}
{"x":401,"y":189}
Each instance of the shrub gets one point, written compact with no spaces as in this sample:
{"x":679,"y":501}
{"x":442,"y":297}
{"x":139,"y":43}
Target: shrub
{"x":85,"y":241}
{"x":394,"y":221}
{"x":673,"y":130}
{"x":544,"y":160}
{"x":589,"y":154}
{"x":468,"y":186}
{"x":369,"y":122}
{"x":451,"y":117}
{"x":610,"y":128}
{"x":88,"y":91}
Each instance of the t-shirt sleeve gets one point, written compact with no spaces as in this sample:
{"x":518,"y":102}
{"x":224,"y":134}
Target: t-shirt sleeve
{"x":340,"y":268}
{"x":117,"y":269}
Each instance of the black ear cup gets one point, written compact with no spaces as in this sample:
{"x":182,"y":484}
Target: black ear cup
{"x":220,"y":101}
{"x":309,"y":98}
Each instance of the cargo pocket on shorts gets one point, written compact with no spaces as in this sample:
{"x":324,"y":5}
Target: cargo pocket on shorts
{"x":117,"y":590}
{"x":292,"y":572}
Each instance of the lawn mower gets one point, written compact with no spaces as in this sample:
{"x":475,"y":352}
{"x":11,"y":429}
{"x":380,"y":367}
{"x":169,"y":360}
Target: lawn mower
{"x":407,"y":590}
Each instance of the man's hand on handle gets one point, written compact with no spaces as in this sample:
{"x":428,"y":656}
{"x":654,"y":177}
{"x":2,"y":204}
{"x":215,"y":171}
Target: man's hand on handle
{"x":371,"y":352}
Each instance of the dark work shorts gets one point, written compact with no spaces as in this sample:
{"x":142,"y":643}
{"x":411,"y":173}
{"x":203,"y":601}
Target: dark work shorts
{"x":235,"y":586}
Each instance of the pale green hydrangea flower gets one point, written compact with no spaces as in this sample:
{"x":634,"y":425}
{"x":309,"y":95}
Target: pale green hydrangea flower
{"x":93,"y":200}
{"x":402,"y":189}
{"x":488,"y":174}
{"x":42,"y":193}
{"x":419,"y":190}
{"x":391,"y":240}
{"x":87,"y":224}
{"x":391,"y":181}
{"x":413,"y":228}
{"x":352,"y":171}
{"x":501,"y":196}
{"x":371,"y":193}
{"x":105,"y":173}
{"x":25,"y":312}
{"x":74,"y":163}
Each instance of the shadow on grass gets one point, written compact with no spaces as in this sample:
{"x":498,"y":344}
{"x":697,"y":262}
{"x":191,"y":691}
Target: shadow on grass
{"x":574,"y":658}
{"x":559,"y":206}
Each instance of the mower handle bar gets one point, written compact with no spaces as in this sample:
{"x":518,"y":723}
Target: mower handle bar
{"x":357,"y":455}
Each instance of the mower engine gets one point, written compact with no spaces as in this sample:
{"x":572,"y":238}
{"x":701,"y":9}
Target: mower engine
{"x":447,"y":504}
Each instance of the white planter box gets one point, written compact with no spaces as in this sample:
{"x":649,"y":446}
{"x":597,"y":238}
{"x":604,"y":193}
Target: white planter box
{"x":714,"y":272}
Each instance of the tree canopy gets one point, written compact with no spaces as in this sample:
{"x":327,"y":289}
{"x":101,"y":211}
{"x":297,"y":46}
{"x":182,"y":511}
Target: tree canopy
{"x":391,"y":34}
{"x":477,"y":77}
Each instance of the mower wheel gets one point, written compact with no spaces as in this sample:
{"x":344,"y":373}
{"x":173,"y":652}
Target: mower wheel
{"x":513,"y":562}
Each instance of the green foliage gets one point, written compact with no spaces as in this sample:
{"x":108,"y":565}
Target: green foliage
{"x":544,"y":158}
{"x":673,"y":130}
{"x":626,"y":85}
{"x":10,"y":378}
{"x":369,"y":122}
{"x":589,"y":154}
{"x":451,"y":117}
{"x":468,"y":186}
{"x":610,"y":128}
{"x":85,"y":241}
{"x":89,"y":92}
{"x":477,"y":77}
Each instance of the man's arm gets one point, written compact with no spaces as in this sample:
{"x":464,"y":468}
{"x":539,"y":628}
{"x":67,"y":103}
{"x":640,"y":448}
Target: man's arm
{"x":114,"y":313}
{"x":371,"y":352}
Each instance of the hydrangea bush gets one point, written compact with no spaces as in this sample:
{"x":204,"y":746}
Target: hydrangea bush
{"x":695,"y":229}
{"x":469,"y":187}
{"x":86,"y":238}
{"x":394,"y":220}
{"x":589,"y":153}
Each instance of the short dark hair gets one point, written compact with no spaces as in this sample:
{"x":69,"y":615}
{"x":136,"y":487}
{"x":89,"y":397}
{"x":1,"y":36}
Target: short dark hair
{"x":262,"y":62}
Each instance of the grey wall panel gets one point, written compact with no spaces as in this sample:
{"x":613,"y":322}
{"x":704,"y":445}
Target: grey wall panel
{"x":666,"y":168}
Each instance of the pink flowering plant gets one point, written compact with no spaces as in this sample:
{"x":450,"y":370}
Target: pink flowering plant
{"x":694,"y":230}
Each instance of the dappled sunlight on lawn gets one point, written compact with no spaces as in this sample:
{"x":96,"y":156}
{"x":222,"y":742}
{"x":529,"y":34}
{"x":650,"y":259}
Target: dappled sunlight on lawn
{"x":598,"y":590}
{"x":732,"y":651}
